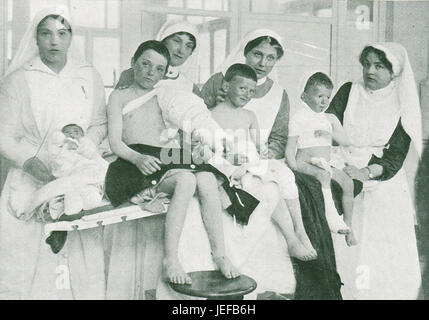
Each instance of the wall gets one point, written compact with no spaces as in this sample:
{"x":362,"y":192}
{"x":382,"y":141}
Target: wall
{"x":410,"y":27}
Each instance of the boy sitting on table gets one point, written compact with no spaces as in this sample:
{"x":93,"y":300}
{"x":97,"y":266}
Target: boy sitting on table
{"x":137,"y":118}
{"x":239,"y":84}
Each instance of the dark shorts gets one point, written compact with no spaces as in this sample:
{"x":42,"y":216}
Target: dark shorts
{"x":124,"y":179}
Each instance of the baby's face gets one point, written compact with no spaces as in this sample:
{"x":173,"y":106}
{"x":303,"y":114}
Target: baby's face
{"x":241,"y":90}
{"x":74,"y":132}
{"x":317,"y":97}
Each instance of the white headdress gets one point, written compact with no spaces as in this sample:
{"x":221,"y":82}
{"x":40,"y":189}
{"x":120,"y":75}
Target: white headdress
{"x":237,"y":53}
{"x":28,"y":48}
{"x":302,"y":83}
{"x":410,"y":111}
{"x":190,"y":67}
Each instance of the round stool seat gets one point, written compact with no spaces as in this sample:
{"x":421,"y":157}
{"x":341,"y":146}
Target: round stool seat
{"x":214,"y":285}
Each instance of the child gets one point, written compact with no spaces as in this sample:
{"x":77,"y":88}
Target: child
{"x":73,"y":154}
{"x":138,"y":117}
{"x":240,"y":83}
{"x":311,"y":131}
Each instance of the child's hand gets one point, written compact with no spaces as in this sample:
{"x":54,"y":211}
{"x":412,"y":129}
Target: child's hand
{"x":147,"y":164}
{"x":321,"y":134}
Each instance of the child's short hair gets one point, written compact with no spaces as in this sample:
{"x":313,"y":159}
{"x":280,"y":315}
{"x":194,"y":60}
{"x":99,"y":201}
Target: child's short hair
{"x":154,"y":45}
{"x":72,"y":125}
{"x":318,"y":79}
{"x":241,"y":70}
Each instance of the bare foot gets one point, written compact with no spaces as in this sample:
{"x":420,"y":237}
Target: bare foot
{"x":299,"y":251}
{"x":350,"y":239}
{"x":175,"y":273}
{"x":303,"y":237}
{"x":336,"y":224}
{"x":226,"y":267}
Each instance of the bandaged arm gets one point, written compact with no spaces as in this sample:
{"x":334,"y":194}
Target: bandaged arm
{"x":187,"y":112}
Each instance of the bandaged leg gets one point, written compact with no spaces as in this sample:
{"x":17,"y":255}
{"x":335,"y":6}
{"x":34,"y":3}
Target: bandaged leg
{"x":336,"y":224}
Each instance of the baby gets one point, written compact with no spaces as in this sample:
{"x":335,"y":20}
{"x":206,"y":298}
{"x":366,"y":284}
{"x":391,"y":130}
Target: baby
{"x":74,"y":156}
{"x":308,"y":150}
{"x":240,"y":85}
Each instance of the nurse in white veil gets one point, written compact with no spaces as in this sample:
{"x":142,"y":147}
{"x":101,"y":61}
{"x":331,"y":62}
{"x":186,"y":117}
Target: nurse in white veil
{"x":182,"y":41}
{"x":381,"y":115}
{"x":262,"y":49}
{"x":47,"y":85}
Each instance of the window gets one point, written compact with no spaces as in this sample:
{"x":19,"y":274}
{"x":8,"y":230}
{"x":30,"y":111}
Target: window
{"x":314,"y":8}
{"x":360,"y":8}
{"x":215,"y":5}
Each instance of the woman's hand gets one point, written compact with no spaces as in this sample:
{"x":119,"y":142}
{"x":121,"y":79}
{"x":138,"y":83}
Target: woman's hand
{"x":37,"y":169}
{"x":266,"y":153}
{"x":237,"y":175}
{"x":355,"y":173}
{"x":220,"y":96}
{"x":147,"y":164}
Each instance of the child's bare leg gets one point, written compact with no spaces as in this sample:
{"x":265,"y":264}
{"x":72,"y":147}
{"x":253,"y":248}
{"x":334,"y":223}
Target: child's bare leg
{"x":295,"y":212}
{"x":347,"y":186}
{"x":182,"y":188}
{"x":286,"y":181}
{"x":211,"y":210}
{"x":282,"y":218}
{"x":335,"y":223}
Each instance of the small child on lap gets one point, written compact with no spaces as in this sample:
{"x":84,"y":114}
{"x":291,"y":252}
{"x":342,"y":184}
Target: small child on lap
{"x":73,"y":154}
{"x":309,"y":150}
{"x":240,"y":84}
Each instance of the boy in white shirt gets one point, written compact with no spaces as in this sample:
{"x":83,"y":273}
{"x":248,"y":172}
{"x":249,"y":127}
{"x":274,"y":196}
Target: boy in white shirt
{"x":309,"y":150}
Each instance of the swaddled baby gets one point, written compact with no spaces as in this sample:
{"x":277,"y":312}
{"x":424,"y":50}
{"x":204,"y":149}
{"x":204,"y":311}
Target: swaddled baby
{"x":73,"y":155}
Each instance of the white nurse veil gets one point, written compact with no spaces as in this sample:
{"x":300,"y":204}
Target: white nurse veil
{"x":190,"y":67}
{"x":410,"y":111}
{"x":237,"y":53}
{"x":28,"y":48}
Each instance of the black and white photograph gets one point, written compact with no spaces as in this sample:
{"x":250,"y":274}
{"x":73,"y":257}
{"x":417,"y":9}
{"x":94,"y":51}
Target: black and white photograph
{"x":234,"y":150}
